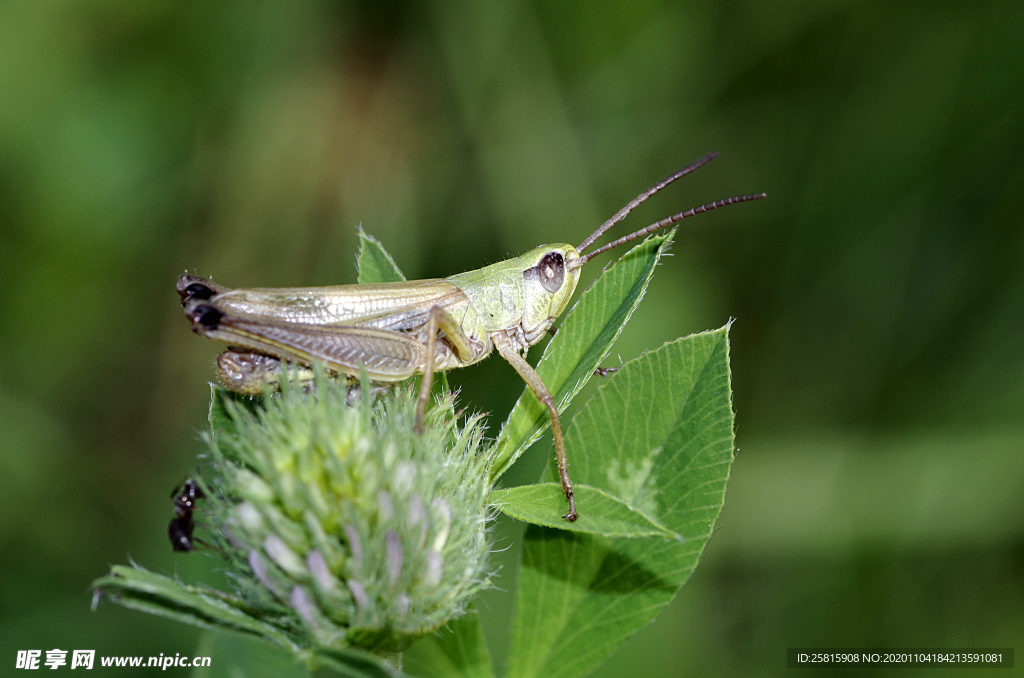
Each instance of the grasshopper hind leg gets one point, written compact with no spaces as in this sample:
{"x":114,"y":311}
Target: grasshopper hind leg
{"x":251,"y":373}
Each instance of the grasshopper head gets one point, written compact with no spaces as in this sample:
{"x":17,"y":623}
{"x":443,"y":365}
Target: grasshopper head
{"x":549,"y":280}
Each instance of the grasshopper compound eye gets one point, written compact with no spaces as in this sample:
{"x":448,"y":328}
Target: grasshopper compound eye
{"x":551,"y":271}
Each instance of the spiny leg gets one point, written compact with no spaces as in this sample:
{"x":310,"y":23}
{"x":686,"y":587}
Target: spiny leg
{"x":439,"y":320}
{"x":536,"y":384}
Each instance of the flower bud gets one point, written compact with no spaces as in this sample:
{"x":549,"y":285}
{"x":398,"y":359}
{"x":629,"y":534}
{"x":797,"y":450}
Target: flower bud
{"x":341,"y":525}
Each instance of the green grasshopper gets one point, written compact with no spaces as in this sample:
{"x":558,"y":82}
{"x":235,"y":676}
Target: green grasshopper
{"x":396,"y":330}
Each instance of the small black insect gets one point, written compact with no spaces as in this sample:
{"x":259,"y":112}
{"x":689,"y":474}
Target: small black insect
{"x":185,"y":496}
{"x":180,"y":532}
{"x":181,"y":527}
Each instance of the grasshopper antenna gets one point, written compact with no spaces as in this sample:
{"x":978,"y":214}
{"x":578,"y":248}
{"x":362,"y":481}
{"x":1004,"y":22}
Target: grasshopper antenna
{"x":636,"y":202}
{"x":668,"y":221}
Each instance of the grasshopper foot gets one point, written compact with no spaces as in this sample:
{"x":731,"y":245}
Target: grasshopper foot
{"x":571,"y":516}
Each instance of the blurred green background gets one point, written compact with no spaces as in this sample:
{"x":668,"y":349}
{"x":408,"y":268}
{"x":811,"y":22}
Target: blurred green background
{"x":878,"y":353}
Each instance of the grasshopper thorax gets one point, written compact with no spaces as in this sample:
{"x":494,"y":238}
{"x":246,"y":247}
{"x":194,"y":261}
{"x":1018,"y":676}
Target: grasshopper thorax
{"x":523,"y":295}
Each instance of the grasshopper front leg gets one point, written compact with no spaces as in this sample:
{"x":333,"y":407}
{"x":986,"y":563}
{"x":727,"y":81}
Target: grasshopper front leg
{"x":536,"y":384}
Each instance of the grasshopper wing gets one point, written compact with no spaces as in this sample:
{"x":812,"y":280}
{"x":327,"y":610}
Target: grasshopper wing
{"x":399,"y":306}
{"x":386,"y":355}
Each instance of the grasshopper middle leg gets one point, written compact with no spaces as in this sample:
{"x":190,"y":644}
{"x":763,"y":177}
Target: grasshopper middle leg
{"x":439,"y":321}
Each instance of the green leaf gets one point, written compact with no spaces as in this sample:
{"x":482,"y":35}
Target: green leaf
{"x":457,"y":651}
{"x":373,"y":262}
{"x":234,"y":655}
{"x":220,"y":416}
{"x":583,"y":340}
{"x":353,"y":663}
{"x":599,"y":512}
{"x":659,"y":435}
{"x":139,"y":589}
{"x":220,"y":420}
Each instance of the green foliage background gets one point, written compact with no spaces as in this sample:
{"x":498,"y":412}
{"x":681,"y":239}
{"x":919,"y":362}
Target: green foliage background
{"x":878,"y":355}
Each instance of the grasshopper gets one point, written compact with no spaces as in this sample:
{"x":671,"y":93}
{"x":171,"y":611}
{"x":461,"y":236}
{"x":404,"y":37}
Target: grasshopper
{"x":396,"y":330}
